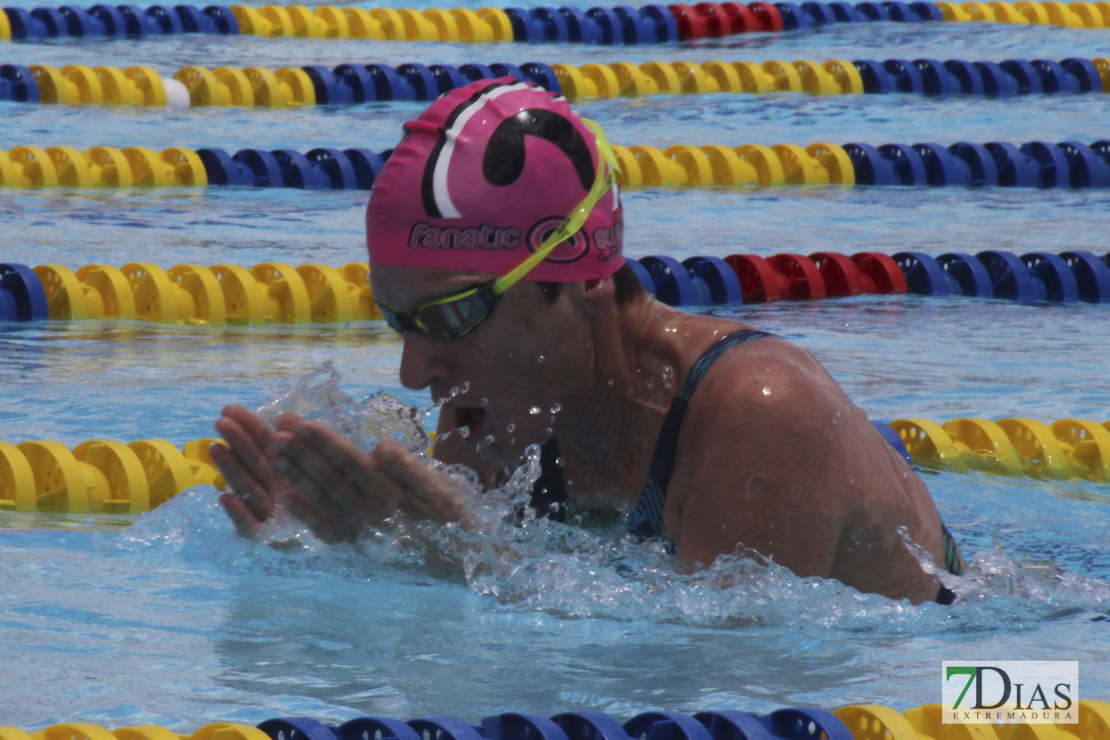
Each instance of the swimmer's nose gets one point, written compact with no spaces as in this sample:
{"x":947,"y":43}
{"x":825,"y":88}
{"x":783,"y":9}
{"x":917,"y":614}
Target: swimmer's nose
{"x":423,"y":361}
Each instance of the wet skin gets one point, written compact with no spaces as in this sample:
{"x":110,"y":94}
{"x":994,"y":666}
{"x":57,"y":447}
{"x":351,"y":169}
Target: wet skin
{"x":772,"y":456}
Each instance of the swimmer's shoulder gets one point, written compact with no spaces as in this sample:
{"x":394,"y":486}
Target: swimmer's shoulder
{"x":756,"y":445}
{"x":768,"y":378}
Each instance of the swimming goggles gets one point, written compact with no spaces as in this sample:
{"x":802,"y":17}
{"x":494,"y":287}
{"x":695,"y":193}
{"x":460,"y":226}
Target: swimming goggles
{"x":456,"y":315}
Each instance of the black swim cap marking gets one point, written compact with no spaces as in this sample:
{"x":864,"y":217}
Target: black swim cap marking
{"x":427,"y":185}
{"x":503,"y":161}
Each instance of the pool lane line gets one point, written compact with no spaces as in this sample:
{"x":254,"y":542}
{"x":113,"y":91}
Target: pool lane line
{"x":619,"y":25}
{"x":101,"y":475}
{"x":1034,"y":164}
{"x":109,"y":476}
{"x":352,"y":84}
{"x":849,"y":722}
{"x":277,"y":293}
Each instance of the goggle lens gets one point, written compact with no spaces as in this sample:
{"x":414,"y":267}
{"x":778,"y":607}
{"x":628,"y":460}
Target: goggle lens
{"x":448,"y":318}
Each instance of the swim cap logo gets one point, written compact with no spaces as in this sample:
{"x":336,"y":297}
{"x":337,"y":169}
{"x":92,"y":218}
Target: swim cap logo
{"x":504,"y":154}
{"x":426,"y":235}
{"x":609,"y":240}
{"x":503,"y":162}
{"x":574,"y":248}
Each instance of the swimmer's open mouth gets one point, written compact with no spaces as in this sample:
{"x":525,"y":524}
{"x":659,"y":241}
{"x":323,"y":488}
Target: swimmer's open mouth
{"x":469,"y":417}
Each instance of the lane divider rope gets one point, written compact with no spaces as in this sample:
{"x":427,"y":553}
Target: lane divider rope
{"x":349,"y":84}
{"x":101,"y":476}
{"x":1034,"y":164}
{"x":598,"y":25}
{"x":270,"y":292}
{"x":851,"y":722}
{"x":105,"y":476}
{"x":1029,"y":279}
{"x":276,"y":293}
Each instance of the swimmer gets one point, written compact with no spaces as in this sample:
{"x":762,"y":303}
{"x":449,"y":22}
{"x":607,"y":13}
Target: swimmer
{"x":495,"y":237}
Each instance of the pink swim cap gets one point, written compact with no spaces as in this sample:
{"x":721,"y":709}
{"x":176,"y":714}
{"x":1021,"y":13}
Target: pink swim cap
{"x":482,"y":176}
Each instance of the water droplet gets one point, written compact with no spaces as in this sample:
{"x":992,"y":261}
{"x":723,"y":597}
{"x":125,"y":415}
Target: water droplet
{"x":559,"y":461}
{"x":534,"y":410}
{"x":668,"y":376}
{"x":511,"y":428}
{"x":465,"y":387}
{"x":556,"y":407}
{"x":612,"y":381}
{"x":766,"y":390}
{"x":541,"y":359}
{"x":483,"y":402}
{"x":464,"y":432}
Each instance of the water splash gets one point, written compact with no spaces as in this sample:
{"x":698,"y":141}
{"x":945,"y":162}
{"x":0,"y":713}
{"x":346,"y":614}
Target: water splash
{"x":595,"y":570}
{"x":993,"y":575}
{"x":365,"y":422}
{"x":590,"y":567}
{"x":668,"y":376}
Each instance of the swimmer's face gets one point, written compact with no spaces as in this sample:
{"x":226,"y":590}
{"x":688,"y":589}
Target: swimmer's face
{"x":503,"y":378}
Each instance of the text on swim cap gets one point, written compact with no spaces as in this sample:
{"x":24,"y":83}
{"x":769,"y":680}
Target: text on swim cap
{"x":472,"y":237}
{"x":609,"y":240}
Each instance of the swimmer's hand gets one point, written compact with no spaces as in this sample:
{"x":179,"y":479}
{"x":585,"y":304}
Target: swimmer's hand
{"x":324,"y":480}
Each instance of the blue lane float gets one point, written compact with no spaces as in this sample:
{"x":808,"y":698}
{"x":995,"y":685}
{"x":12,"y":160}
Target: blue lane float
{"x":783,"y":724}
{"x":970,"y":276}
{"x":1092,"y":275}
{"x":118,"y":21}
{"x":319,"y":169}
{"x":720,"y":281}
{"x":18,"y":84}
{"x":22,"y":297}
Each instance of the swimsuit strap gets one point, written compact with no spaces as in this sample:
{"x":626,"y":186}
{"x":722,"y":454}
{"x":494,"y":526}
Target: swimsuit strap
{"x":646,"y":519}
{"x":951,"y":563}
{"x":951,"y":553}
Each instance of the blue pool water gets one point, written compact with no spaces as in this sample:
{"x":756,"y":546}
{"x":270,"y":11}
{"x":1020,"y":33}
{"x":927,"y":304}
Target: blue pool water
{"x":170,"y":619}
